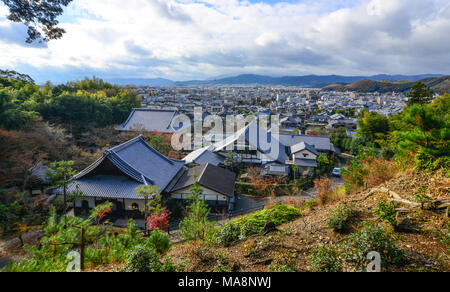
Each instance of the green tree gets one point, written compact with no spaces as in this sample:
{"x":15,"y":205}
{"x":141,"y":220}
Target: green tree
{"x":157,"y":142}
{"x":148,"y":192}
{"x":324,"y":165}
{"x":429,"y":133}
{"x":59,"y":175}
{"x":372,"y":125}
{"x":419,"y":94}
{"x":196,"y":225}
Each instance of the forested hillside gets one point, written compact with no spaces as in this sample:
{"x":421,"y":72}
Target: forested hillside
{"x":438,"y":85}
{"x":76,"y":106}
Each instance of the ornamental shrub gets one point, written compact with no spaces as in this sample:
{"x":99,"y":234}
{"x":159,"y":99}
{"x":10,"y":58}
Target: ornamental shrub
{"x":159,"y":241}
{"x":144,"y":259}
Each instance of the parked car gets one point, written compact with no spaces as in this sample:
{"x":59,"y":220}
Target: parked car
{"x":336,"y":172}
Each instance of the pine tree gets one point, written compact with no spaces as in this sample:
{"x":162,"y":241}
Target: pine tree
{"x":419,"y":94}
{"x":196,"y":224}
{"x":429,"y":134}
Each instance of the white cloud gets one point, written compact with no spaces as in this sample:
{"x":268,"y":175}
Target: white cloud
{"x":196,"y":39}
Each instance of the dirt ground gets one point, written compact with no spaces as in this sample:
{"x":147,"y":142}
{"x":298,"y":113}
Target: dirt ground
{"x":416,"y":232}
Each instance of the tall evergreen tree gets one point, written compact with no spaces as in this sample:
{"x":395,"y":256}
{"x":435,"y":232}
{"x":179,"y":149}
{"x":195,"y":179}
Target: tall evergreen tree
{"x":428,"y":137}
{"x":419,"y":94}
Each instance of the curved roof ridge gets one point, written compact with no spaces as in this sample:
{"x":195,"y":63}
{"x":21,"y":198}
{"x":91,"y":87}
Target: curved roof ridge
{"x":128,"y":169}
{"x":91,"y":167}
{"x":124,"y":144}
{"x":128,"y":119}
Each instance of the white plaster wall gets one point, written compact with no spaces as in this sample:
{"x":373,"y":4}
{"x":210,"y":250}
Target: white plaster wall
{"x":208,"y":194}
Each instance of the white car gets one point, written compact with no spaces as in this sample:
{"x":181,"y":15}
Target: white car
{"x":336,"y":172}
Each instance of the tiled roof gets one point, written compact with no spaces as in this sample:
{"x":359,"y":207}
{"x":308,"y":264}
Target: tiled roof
{"x":301,"y":146}
{"x":210,"y":176}
{"x":140,"y":162}
{"x":321,"y":143}
{"x":152,"y":120}
{"x":38,"y":174}
{"x":103,"y":186}
{"x":255,"y":137}
{"x":204,"y":156}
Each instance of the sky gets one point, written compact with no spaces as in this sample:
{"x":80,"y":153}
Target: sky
{"x":202,"y":39}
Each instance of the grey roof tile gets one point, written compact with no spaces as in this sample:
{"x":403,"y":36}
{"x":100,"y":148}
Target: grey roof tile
{"x":301,"y":146}
{"x":102,"y":186}
{"x":152,"y":120}
{"x":140,"y":162}
{"x":321,"y":143}
{"x":255,"y":137}
{"x":210,"y":176}
{"x":204,"y":156}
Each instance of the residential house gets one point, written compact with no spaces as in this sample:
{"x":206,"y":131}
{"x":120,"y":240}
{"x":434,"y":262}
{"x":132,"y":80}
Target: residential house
{"x":304,"y":155}
{"x":115,"y":176}
{"x":216,"y":183}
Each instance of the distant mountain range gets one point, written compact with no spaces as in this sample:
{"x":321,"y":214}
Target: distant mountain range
{"x":314,"y":81}
{"x":438,"y":85}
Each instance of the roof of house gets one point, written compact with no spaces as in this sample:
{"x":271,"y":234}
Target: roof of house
{"x":162,"y":121}
{"x":306,"y":162}
{"x":203,"y":156}
{"x":321,"y":143}
{"x":135,"y":162}
{"x":255,"y":137}
{"x":105,"y":186}
{"x":289,"y":119}
{"x":209,"y":176}
{"x":338,"y":117}
{"x":38,"y":174}
{"x":302,"y":146}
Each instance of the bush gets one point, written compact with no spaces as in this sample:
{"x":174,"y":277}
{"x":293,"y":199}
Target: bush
{"x":278,"y":189}
{"x":370,"y":238}
{"x":340,"y":216}
{"x":304,"y":183}
{"x":386,"y":212}
{"x":379,"y":171}
{"x":252,"y":224}
{"x":144,"y":259}
{"x":228,"y":233}
{"x":244,"y":188}
{"x":159,"y":241}
{"x":325,"y":259}
{"x":324,"y":190}
{"x":284,"y":262}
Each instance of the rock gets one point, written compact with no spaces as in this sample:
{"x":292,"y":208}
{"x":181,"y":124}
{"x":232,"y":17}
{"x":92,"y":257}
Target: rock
{"x":269,"y":227}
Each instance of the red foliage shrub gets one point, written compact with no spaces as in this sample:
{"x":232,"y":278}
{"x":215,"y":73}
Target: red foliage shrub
{"x":158,"y":221}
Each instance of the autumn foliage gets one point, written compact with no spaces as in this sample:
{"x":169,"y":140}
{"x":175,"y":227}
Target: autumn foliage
{"x":324,"y":189}
{"x":158,"y":221}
